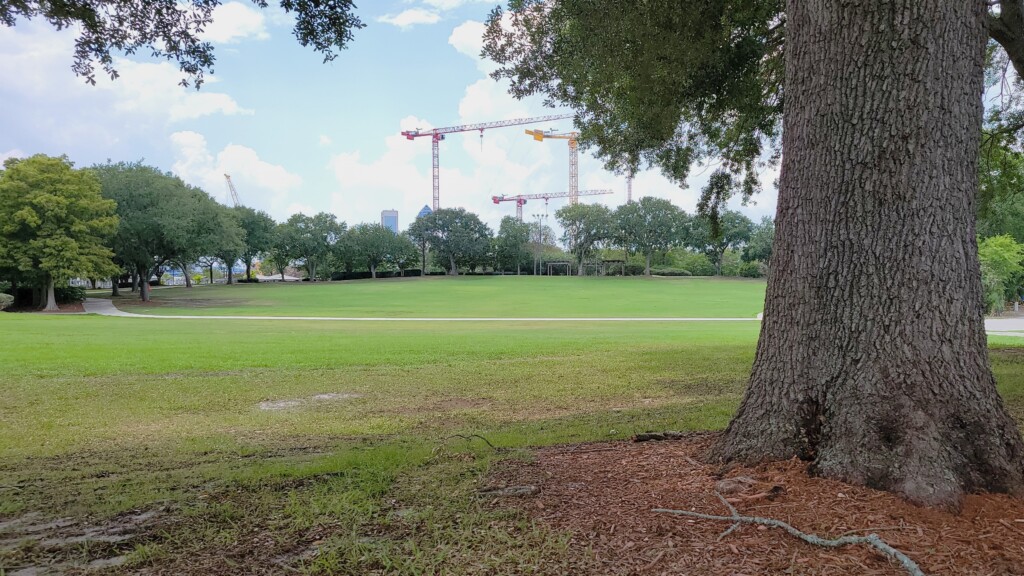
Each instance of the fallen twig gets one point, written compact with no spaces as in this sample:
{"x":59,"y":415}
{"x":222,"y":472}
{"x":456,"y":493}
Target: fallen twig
{"x":469,"y":437}
{"x":872,"y":539}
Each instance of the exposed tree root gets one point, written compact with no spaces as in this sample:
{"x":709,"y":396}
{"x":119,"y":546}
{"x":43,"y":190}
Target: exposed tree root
{"x":871,"y":539}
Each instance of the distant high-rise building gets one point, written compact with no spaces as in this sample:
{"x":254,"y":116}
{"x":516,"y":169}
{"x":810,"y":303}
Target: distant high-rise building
{"x":425,"y":211}
{"x":389,"y":219}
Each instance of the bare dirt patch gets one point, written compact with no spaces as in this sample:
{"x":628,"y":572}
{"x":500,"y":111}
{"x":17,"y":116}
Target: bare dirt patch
{"x":287,"y":403}
{"x":603,"y":495}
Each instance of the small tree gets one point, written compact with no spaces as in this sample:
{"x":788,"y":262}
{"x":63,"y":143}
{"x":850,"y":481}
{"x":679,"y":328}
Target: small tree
{"x":511,"y":248}
{"x":648,"y":226}
{"x":585,"y":227}
{"x":404,"y":253}
{"x":54,"y":223}
{"x":759,"y":247}
{"x":1001,"y":270}
{"x":457,"y":238}
{"x":311,"y":239}
{"x":259,"y":235}
{"x":373,"y":244}
{"x":714,"y":236}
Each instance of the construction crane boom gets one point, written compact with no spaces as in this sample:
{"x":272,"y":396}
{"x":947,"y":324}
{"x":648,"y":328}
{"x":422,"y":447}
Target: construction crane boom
{"x":520,"y":199}
{"x":574,"y":158}
{"x":231,"y":189}
{"x":437,"y":134}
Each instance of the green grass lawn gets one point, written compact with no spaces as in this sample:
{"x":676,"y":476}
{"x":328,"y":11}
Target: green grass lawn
{"x":353,"y":468}
{"x":479,"y":296}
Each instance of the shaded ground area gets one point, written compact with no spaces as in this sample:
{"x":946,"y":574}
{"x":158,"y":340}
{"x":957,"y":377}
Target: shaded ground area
{"x":603,"y":495}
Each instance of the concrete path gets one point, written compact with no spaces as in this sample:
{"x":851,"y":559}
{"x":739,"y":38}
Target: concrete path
{"x":105,"y":307}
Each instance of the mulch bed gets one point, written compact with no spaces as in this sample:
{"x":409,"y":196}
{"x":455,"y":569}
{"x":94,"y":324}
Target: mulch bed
{"x":603,"y":494}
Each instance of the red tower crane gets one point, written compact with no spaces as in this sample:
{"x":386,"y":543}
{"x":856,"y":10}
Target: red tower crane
{"x":437,"y":134}
{"x":521,"y":199}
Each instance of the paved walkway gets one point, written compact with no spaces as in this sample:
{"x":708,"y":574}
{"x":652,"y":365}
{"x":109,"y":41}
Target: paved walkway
{"x":105,"y":307}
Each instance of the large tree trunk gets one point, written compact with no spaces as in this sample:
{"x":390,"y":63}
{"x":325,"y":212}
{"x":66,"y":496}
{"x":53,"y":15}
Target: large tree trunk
{"x":454,"y":268}
{"x":872,"y":359}
{"x":51,"y":297}
{"x":373,"y":271}
{"x":188,"y":277}
{"x":647,"y":267}
{"x":115,"y":290}
{"x":248,"y":270}
{"x":135,"y":282}
{"x":211,"y":274}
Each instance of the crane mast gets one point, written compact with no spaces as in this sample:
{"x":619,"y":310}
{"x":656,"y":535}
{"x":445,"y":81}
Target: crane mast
{"x":232,"y":191}
{"x":437,"y":135}
{"x":574,"y":158}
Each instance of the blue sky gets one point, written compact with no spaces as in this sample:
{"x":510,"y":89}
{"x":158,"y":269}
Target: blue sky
{"x":300,"y":135}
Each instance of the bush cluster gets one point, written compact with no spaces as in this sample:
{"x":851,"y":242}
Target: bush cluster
{"x":5,"y":300}
{"x":671,"y":272}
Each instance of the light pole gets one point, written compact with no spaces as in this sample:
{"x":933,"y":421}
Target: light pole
{"x":539,"y":245}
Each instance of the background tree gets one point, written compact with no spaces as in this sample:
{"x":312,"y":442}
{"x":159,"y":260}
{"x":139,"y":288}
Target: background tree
{"x":54,"y":224}
{"x":1001,"y":270}
{"x":258,"y":238}
{"x":373,"y":244}
{"x":420,"y":232}
{"x":230,"y":243}
{"x":647,"y":226}
{"x":278,"y":257}
{"x":456,"y":237}
{"x":759,"y":246}
{"x":852,"y":233}
{"x":404,"y":254}
{"x":201,"y":230}
{"x":171,"y":29}
{"x":512,"y":244}
{"x":311,"y":239}
{"x":732,"y":231}
{"x":584,"y":227}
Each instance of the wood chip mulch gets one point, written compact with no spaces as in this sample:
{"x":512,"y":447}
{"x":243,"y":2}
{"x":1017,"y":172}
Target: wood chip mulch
{"x":602,"y":494}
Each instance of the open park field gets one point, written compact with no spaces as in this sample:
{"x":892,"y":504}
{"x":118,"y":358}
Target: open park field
{"x":274,"y":446}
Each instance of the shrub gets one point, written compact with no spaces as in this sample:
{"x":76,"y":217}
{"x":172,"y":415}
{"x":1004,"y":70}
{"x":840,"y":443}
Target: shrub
{"x":992,"y":287}
{"x":698,"y":264}
{"x":670,"y":272}
{"x":69,"y":294}
{"x":5,"y":286}
{"x":244,"y":280}
{"x":634,"y":269}
{"x":751,"y":270}
{"x":5,"y":300}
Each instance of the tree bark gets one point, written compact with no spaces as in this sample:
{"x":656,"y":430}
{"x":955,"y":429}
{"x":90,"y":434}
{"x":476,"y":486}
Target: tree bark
{"x":872,"y":360}
{"x":248,"y":270}
{"x":211,"y":274}
{"x":144,"y":284}
{"x":231,"y":279}
{"x":188,"y":278}
{"x":93,"y":282}
{"x":135,"y":282}
{"x":51,"y":297}
{"x":373,"y":271}
{"x":115,"y":290}
{"x":647,"y":269}
{"x":454,"y":268}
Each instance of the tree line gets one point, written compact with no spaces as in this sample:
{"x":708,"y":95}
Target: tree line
{"x":129,"y":222}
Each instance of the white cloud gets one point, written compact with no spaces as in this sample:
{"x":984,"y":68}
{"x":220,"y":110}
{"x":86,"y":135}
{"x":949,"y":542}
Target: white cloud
{"x":325,"y":140}
{"x":452,"y":4}
{"x":12,"y":153}
{"x":260,"y":184}
{"x":152,"y":89}
{"x":233,"y":22}
{"x":411,"y":17}
{"x":468,"y":38}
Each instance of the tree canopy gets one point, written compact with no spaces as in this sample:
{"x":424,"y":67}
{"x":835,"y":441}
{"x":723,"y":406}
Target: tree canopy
{"x":172,"y":29}
{"x":54,"y":224}
{"x":457,"y":238}
{"x":647,"y":226}
{"x":585,"y":227}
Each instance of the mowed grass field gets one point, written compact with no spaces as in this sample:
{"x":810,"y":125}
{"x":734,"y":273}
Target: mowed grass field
{"x":266,"y":447}
{"x":470,"y":296}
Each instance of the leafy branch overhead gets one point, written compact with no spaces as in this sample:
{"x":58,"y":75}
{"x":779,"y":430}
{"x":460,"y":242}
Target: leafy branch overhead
{"x":172,"y":29}
{"x":673,"y":83}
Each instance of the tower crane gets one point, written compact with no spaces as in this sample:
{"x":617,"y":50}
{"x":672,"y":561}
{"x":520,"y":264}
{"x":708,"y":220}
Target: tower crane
{"x":629,"y":188}
{"x":231,"y":189}
{"x":521,"y":199}
{"x":574,"y":158}
{"x":437,"y":134}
